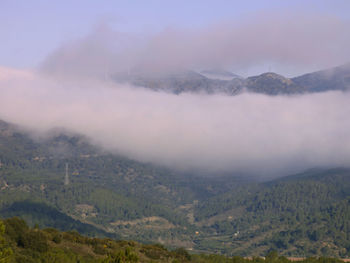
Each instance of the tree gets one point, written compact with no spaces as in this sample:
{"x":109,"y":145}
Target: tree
{"x":5,"y":252}
{"x":272,"y":256}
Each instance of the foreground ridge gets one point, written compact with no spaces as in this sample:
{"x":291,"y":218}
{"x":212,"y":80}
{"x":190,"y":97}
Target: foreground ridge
{"x":20,"y":243}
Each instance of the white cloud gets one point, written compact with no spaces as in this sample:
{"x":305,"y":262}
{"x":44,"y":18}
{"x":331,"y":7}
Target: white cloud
{"x":250,"y":132}
{"x":294,"y":42}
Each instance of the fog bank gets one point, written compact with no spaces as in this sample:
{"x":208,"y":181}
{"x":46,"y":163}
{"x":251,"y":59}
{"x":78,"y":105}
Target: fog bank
{"x":249,"y":132}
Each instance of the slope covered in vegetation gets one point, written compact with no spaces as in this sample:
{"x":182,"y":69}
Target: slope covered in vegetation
{"x":115,"y":197}
{"x":19,"y":243}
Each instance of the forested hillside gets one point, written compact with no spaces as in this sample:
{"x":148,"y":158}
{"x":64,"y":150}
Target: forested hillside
{"x":20,"y":243}
{"x":302,"y":214}
{"x":111,"y":196}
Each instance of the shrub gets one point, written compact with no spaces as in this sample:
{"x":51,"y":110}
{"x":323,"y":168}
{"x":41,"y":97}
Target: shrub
{"x":182,"y":253}
{"x":35,"y":240}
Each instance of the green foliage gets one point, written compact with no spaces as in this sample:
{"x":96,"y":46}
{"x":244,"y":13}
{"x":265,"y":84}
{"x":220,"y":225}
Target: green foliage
{"x":111,"y":196}
{"x":182,"y":254}
{"x":34,"y":239}
{"x":123,"y":256}
{"x":272,"y":256}
{"x":306,"y":214}
{"x":15,"y":227}
{"x":5,"y":252}
{"x":37,"y":245}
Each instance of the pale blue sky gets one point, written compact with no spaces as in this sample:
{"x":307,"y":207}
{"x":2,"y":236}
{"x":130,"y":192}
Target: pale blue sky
{"x":29,"y":30}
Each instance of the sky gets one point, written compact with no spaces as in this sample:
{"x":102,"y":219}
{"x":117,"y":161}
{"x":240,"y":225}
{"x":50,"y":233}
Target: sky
{"x":31,"y":30}
{"x":54,"y":56}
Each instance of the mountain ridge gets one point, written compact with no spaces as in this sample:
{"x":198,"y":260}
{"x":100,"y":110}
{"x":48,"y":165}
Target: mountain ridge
{"x":269,"y":83}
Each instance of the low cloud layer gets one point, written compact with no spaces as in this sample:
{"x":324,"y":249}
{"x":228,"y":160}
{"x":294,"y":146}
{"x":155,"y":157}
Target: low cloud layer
{"x":289,"y":43}
{"x":250,"y":132}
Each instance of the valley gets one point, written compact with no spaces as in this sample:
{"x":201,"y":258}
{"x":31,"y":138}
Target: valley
{"x":174,"y":131}
{"x":112,"y":196}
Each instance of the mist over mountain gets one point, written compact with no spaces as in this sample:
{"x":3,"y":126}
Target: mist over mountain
{"x":113,"y":196}
{"x":183,"y":82}
{"x":209,"y":126}
{"x":150,"y":98}
{"x":287,"y":40}
{"x":228,"y":83}
{"x":337,"y":78}
{"x":202,"y":116}
{"x":198,"y":129}
{"x":219,"y":74}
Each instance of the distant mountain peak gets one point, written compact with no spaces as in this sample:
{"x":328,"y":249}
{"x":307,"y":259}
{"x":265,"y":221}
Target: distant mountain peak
{"x":272,"y":84}
{"x":225,"y":82}
{"x":337,"y":78}
{"x":275,"y":76}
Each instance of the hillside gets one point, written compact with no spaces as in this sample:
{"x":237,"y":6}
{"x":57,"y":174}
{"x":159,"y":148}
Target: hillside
{"x":186,"y":81}
{"x":337,"y":78}
{"x":112,"y":196}
{"x":19,"y":243}
{"x":302,"y":214}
